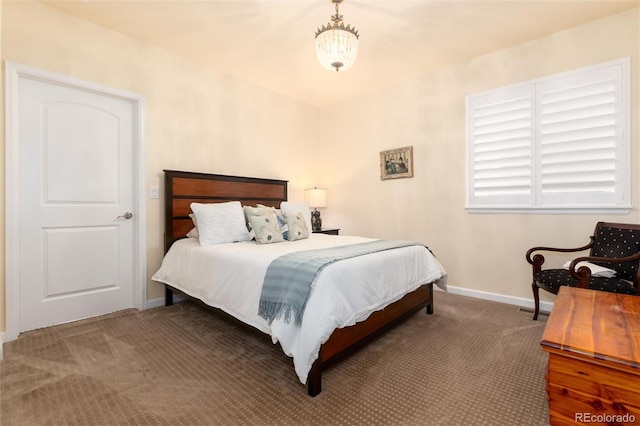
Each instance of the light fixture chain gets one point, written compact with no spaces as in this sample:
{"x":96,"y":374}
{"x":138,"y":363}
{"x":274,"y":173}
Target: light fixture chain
{"x":337,"y":18}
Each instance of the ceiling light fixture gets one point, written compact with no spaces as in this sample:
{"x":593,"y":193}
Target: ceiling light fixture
{"x":337,"y":45}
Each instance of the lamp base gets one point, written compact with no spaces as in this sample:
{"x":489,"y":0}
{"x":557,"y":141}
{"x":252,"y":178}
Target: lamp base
{"x":316,"y":221}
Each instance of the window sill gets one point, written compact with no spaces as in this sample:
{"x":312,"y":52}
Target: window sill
{"x":549,"y":210}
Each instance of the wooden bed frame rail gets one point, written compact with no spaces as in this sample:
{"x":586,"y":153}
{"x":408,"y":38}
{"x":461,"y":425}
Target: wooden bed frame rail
{"x":345,"y":341}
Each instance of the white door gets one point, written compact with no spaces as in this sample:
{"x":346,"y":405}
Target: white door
{"x":77,"y":223}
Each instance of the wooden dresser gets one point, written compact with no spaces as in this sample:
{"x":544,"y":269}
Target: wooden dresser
{"x":593,"y":341}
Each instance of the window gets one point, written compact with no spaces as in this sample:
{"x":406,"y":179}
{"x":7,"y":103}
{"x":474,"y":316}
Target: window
{"x":559,"y":143}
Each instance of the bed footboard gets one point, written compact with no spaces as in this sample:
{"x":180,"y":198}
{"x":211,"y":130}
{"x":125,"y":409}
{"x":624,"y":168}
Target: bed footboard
{"x":346,"y":340}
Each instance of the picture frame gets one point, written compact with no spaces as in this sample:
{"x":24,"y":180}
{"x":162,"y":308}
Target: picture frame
{"x":396,"y":163}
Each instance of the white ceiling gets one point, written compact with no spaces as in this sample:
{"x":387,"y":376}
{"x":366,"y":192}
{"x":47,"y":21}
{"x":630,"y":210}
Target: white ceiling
{"x":271,"y":42}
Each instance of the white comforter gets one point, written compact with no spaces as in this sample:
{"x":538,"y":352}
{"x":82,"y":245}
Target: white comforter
{"x":230,"y":276}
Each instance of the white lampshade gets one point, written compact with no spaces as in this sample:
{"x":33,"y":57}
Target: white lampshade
{"x":316,"y":197}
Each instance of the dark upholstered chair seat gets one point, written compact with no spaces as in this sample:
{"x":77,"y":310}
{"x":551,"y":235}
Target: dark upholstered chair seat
{"x":554,"y":278}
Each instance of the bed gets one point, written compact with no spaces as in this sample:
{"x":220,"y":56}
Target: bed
{"x":329,"y":331}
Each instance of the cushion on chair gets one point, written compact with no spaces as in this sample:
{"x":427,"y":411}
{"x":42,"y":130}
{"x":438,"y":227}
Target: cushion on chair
{"x":555,"y":278}
{"x":616,"y":242}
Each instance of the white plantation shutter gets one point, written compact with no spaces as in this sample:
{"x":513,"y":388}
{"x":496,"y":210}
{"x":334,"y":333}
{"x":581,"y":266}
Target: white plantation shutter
{"x":501,"y":135}
{"x":560,"y":142}
{"x":579,"y":120}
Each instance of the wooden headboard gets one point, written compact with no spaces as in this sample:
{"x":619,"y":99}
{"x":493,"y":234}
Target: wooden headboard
{"x":183,"y":188}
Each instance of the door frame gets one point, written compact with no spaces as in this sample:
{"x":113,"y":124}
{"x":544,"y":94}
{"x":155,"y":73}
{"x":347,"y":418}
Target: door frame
{"x":13,"y":73}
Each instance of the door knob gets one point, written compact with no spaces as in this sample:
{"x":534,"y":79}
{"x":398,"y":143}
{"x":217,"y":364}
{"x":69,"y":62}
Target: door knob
{"x":127,"y":215}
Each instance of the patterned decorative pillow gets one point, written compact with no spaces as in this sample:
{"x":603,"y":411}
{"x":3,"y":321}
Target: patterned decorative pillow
{"x":281,"y":221}
{"x":220,"y":223}
{"x":266,"y":228}
{"x":255,"y":211}
{"x":297,"y":223}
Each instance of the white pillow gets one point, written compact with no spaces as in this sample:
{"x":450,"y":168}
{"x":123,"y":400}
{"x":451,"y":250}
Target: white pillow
{"x":596,"y":270}
{"x":194,"y":231}
{"x":220,"y":223}
{"x":291,"y":208}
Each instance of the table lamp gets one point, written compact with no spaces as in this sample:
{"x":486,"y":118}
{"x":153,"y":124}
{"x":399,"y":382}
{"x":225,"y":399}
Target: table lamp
{"x":316,"y":198}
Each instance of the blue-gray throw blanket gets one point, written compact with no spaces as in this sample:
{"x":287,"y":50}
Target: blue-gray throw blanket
{"x":287,"y":283}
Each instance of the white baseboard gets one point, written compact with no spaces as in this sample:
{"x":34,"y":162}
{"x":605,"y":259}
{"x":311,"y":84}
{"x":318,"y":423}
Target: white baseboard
{"x":511,"y":300}
{"x":155,"y":303}
{"x":1,"y":346}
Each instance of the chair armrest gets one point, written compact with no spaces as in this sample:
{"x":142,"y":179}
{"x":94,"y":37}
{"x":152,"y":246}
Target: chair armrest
{"x":538,"y":259}
{"x":583,"y":273}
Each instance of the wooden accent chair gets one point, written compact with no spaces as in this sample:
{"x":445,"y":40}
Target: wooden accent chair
{"x":613,"y":245}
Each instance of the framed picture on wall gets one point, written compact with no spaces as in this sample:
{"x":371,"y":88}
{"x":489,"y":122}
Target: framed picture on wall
{"x":396,"y":163}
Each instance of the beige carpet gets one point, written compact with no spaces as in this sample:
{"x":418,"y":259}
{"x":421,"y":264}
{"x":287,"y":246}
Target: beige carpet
{"x":472,"y":362}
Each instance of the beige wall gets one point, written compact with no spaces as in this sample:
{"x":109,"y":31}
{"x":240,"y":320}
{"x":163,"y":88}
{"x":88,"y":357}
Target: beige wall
{"x":203,"y":120}
{"x":196,"y":119}
{"x":483,"y":252}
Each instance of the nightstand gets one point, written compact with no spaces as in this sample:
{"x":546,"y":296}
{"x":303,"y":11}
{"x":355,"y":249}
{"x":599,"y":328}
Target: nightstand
{"x":333,"y":231}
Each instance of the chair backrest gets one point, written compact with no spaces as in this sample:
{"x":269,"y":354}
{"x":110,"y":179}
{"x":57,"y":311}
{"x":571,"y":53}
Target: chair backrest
{"x":618,"y":240}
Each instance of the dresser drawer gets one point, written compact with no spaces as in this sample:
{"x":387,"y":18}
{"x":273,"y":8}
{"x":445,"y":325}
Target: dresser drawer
{"x":593,"y":379}
{"x":576,"y":387}
{"x":569,"y":403}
